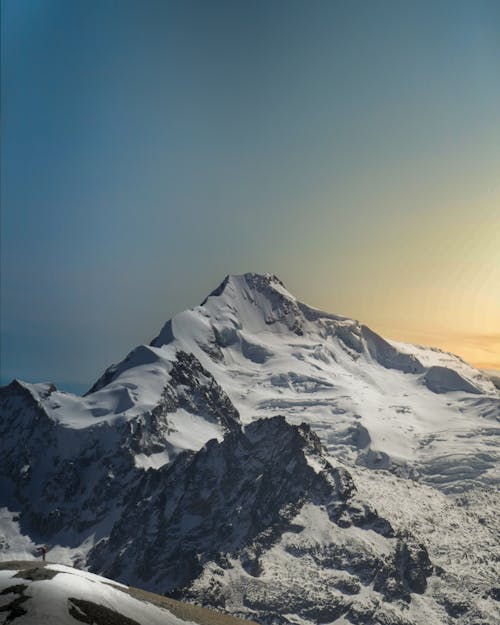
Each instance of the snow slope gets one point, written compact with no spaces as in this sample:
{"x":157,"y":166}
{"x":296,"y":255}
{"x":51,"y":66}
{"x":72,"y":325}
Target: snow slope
{"x":32,"y":593}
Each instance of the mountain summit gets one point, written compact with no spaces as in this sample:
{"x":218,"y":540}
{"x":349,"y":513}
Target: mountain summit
{"x":256,"y":443}
{"x":256,"y":350}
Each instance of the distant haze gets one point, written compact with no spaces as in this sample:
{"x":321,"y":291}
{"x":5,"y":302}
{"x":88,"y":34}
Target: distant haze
{"x":150,"y":148}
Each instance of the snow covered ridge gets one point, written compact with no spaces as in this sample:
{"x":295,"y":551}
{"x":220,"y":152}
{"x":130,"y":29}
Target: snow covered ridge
{"x":271,"y":460}
{"x":380,"y":403}
{"x":35,"y":593}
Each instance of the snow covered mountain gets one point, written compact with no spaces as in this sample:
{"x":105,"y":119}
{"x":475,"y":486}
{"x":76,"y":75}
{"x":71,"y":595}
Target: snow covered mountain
{"x":269,"y":459}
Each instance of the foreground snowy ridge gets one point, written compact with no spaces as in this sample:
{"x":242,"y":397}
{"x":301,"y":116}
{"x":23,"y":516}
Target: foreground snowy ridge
{"x":35,"y":593}
{"x":271,"y":460}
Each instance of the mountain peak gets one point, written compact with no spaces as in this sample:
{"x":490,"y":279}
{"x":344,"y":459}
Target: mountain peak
{"x":250,"y":280}
{"x":249,"y":301}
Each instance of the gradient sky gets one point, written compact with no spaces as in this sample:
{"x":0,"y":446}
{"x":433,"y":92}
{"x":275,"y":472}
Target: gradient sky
{"x":151,"y":147}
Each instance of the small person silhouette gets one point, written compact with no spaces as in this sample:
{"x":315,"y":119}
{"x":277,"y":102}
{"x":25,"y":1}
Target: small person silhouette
{"x":43,"y":549}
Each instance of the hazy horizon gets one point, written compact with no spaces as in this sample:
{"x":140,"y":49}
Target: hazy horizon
{"x":149,"y":149}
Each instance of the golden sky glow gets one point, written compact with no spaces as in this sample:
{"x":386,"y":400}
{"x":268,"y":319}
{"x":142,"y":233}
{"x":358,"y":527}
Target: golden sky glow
{"x":455,"y":302}
{"x":432,"y":278}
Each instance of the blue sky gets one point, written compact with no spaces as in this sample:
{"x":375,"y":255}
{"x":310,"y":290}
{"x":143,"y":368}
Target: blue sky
{"x":149,"y":148}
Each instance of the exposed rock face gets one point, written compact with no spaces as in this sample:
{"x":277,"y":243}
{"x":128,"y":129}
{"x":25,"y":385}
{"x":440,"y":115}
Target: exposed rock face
{"x":444,"y":380}
{"x":221,"y":499}
{"x":196,"y":390}
{"x":230,"y":504}
{"x":387,"y":355}
{"x":413,"y":562}
{"x":62,"y":478}
{"x":76,"y":478}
